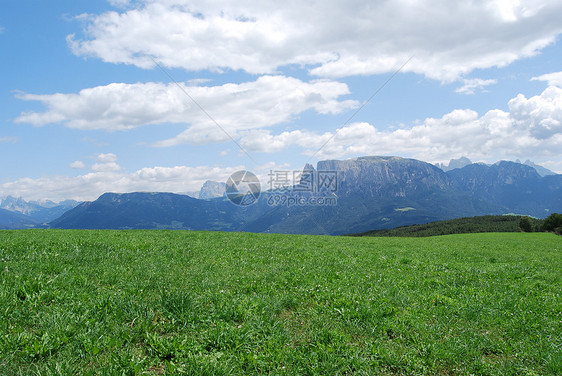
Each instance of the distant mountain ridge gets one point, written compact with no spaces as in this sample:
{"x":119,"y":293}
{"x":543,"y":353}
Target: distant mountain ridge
{"x":540,"y":169}
{"x":36,"y":211}
{"x":10,"y":220}
{"x":464,"y":161}
{"x":454,"y":163}
{"x":372,"y":193}
{"x":147,"y":210}
{"x":515,"y":187}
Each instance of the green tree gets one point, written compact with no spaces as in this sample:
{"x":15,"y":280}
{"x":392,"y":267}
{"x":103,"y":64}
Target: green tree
{"x":553,"y":223}
{"x":525,"y":224}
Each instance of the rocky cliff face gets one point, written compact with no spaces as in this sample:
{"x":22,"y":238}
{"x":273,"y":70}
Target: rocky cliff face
{"x":484,"y":179}
{"x":517,"y":187}
{"x":212,"y":189}
{"x":385,"y":176}
{"x":542,"y":171}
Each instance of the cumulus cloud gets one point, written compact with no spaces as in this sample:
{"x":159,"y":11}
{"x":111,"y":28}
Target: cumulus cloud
{"x":78,"y":165}
{"x":540,"y":115}
{"x":334,"y":38}
{"x":471,"y":86}
{"x":262,"y":103}
{"x":106,"y":163}
{"x":531,"y":129}
{"x":89,"y":186}
{"x":553,"y":79}
{"x":263,"y":141}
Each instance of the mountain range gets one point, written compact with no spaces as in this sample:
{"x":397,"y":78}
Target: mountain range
{"x":16,"y":213}
{"x":10,"y":220}
{"x":368,"y":193}
{"x":464,"y":161}
{"x":454,"y":163}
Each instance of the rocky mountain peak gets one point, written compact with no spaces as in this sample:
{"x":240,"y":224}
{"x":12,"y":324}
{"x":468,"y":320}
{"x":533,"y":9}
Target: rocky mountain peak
{"x":376,"y":176}
{"x":212,"y":189}
{"x":455,"y":163}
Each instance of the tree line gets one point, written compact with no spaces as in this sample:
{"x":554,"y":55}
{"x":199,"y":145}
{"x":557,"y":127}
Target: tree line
{"x":552,"y":223}
{"x":487,"y":223}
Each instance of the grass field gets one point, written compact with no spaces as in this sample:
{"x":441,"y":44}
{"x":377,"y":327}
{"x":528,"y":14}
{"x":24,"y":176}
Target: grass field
{"x":203,"y":303}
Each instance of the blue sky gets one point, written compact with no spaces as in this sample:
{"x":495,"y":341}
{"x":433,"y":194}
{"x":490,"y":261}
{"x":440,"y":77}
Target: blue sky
{"x":85,"y":110}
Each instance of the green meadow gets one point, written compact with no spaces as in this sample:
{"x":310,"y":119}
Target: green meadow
{"x":213,"y":303}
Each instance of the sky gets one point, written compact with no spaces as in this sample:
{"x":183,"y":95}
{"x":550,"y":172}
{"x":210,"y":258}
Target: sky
{"x":161,"y":95}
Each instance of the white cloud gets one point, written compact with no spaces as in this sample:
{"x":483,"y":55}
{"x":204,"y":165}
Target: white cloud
{"x":262,"y":103}
{"x":2,"y":29}
{"x":531,"y":129}
{"x":472,"y":85}
{"x":106,"y":158}
{"x":540,"y":115}
{"x":106,"y":163}
{"x":8,"y":139}
{"x":553,"y":79}
{"x":262,"y":141}
{"x":119,"y":3}
{"x":334,"y":38}
{"x":105,"y":167}
{"x":507,"y":9}
{"x":89,"y":186}
{"x":77,"y":165}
